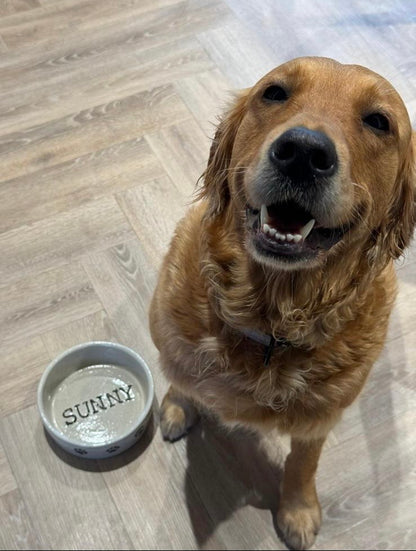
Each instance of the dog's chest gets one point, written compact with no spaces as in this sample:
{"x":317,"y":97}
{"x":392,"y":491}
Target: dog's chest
{"x":235,"y":373}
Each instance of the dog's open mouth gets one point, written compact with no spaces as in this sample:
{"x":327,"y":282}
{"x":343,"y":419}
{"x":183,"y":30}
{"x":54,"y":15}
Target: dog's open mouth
{"x":288,"y":231}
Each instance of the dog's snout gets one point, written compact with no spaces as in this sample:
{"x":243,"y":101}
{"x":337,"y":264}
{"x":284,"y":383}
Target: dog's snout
{"x":301,"y":153}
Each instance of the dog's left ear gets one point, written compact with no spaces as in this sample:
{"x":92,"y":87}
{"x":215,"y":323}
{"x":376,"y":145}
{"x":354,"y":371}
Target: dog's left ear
{"x":402,"y":216}
{"x":215,"y":178}
{"x":396,"y":231}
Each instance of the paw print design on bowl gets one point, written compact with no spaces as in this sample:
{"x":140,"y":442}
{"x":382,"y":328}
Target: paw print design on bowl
{"x":113,"y":449}
{"x":139,"y":432}
{"x":80,"y":451}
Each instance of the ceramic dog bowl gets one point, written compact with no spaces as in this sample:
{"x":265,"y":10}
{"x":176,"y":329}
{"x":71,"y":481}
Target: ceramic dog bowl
{"x":95,"y":399}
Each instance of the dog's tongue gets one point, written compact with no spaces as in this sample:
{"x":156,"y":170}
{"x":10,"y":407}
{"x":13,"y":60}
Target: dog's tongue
{"x":287,"y":217}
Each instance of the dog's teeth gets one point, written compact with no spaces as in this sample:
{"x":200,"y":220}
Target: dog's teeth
{"x":307,"y":228}
{"x":264,"y":216}
{"x":288,"y":237}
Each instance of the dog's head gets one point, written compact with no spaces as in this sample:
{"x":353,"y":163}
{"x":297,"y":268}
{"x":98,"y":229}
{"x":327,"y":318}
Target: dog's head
{"x":315,"y":156}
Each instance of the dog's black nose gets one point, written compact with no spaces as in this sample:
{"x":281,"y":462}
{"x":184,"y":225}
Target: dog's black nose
{"x":301,"y":153}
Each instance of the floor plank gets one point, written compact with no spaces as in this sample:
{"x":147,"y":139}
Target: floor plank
{"x":18,"y":530}
{"x":8,"y":7}
{"x":153,"y":209}
{"x":68,"y":502}
{"x":376,"y":499}
{"x":92,"y":176}
{"x":41,"y":302}
{"x":94,"y":327}
{"x":242,"y":61}
{"x":3,"y":47}
{"x":182,"y":150}
{"x":90,"y":130}
{"x":63,"y":238}
{"x":153,"y":505}
{"x":206,"y":95}
{"x":124,"y":279}
{"x":81,"y":80}
{"x":7,"y":481}
{"x":23,"y":362}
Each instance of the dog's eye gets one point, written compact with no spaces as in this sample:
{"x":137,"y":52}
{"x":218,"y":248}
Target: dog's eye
{"x":275,"y":93}
{"x":377,"y":121}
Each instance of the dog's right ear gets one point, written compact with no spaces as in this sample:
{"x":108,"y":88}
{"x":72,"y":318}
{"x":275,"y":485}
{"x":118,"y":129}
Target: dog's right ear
{"x":215,"y":178}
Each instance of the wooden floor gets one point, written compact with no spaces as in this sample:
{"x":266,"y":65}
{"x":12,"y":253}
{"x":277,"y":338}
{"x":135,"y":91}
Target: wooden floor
{"x":106,"y":109}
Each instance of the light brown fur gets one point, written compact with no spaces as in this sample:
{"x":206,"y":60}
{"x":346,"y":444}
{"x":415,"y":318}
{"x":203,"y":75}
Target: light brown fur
{"x":334,"y":311}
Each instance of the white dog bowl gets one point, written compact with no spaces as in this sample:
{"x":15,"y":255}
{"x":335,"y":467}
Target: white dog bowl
{"x":96,"y":399}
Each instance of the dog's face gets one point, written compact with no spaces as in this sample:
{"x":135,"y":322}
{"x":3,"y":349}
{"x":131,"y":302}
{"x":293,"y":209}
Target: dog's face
{"x":315,"y":155}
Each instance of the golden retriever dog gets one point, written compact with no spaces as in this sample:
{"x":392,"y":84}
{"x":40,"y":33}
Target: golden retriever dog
{"x":274,"y":298}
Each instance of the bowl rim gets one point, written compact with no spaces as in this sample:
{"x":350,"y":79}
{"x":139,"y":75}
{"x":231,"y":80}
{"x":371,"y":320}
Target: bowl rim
{"x":59,"y":436}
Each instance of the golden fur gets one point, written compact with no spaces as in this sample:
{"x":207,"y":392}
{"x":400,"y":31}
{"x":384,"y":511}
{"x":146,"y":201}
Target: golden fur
{"x":334,"y":310}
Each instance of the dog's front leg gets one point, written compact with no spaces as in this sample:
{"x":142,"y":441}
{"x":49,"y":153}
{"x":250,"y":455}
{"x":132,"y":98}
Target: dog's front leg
{"x":299,"y":514}
{"x":178,"y":414}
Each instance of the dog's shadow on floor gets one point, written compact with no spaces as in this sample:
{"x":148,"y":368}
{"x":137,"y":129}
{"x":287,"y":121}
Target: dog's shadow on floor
{"x":227,"y":470}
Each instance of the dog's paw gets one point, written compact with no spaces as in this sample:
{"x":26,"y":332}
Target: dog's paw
{"x":299,"y":526}
{"x":173,"y":423}
{"x":177,"y":417}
